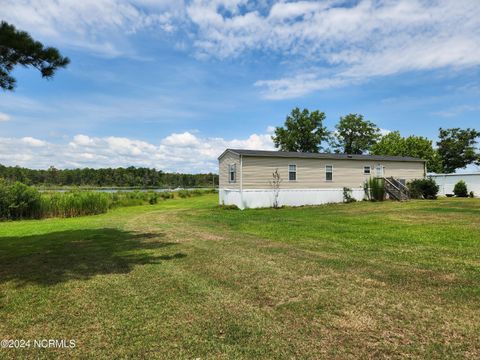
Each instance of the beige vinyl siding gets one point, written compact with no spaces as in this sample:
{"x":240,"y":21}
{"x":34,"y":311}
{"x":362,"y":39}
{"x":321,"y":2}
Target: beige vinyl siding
{"x":227,"y":159}
{"x":257,"y":172}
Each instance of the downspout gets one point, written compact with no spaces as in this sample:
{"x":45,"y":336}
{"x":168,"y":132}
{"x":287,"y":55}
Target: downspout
{"x":241,"y":180}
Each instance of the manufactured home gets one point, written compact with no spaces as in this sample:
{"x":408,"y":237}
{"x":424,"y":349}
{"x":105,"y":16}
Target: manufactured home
{"x":246,"y":176}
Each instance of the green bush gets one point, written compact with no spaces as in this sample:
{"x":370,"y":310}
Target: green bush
{"x":374,"y":189}
{"x":347,"y":195}
{"x":423,"y":189}
{"x":166,"y":195}
{"x":471,"y":194}
{"x":460,"y":189}
{"x":228,"y":207}
{"x":184,"y":194}
{"x":18,"y":201}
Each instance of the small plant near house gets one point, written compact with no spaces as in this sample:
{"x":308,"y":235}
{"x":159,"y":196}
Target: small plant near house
{"x":423,"y":189}
{"x":460,"y":189}
{"x":374,"y":189}
{"x":347,"y":195}
{"x":228,"y":207}
{"x":471,"y":194}
{"x":275,"y":184}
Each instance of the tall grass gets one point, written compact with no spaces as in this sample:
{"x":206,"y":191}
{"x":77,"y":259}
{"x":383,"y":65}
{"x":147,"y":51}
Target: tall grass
{"x":19,"y":201}
{"x":73,"y":203}
{"x":375,"y":189}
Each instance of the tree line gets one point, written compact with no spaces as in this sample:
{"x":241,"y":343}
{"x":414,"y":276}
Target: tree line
{"x":304,"y":131}
{"x":108,"y":177}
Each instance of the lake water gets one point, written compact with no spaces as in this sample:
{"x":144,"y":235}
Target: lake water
{"x":114,"y":190}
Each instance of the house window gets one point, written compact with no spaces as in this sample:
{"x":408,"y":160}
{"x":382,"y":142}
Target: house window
{"x":366,"y":170}
{"x":328,"y":172}
{"x":232,"y":173}
{"x":292,"y":172}
{"x":379,"y":171}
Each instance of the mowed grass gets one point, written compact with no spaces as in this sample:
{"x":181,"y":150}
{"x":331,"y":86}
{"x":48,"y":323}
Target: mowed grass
{"x":186,"y":279}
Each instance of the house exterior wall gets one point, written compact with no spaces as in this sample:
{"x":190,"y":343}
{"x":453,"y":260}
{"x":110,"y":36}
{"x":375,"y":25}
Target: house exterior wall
{"x":253,"y":189}
{"x":257,"y":172}
{"x":447,"y":182}
{"x":227,"y":159}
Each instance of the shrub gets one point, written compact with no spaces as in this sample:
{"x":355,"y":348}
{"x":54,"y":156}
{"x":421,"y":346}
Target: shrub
{"x":184,"y":194}
{"x":374,"y":189}
{"x":153,"y":199}
{"x":460,"y":189}
{"x":166,"y":195}
{"x":18,"y":201}
{"x":228,"y":207}
{"x":471,"y":194}
{"x":423,"y":189}
{"x":347,"y":195}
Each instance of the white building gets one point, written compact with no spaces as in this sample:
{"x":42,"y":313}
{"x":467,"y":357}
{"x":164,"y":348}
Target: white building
{"x":446,"y":182}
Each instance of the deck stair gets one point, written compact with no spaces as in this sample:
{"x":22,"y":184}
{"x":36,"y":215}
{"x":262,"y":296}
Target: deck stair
{"x":396,"y":189}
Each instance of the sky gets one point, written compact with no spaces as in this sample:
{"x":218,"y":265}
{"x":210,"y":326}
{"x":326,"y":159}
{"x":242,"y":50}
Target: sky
{"x":171,"y":84}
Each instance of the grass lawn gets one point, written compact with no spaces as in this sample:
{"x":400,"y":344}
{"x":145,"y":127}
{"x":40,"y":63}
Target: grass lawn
{"x":186,"y":279}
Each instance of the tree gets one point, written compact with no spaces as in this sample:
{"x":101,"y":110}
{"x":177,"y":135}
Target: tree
{"x":18,"y":48}
{"x":394,"y":144}
{"x":457,"y":148}
{"x":355,"y":135}
{"x":303,"y":132}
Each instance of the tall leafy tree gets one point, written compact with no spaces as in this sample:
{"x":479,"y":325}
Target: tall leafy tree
{"x":457,"y":148}
{"x":354,"y":134}
{"x":18,"y":48}
{"x":303,"y":132}
{"x":394,"y":144}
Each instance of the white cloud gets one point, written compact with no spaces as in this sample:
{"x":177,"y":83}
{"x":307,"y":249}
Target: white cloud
{"x":4,"y":117}
{"x":322,"y":44}
{"x":367,"y":39}
{"x":183,"y":152}
{"x":99,"y":26}
{"x":457,"y":110}
{"x":30,"y":141}
{"x":384,"y":132}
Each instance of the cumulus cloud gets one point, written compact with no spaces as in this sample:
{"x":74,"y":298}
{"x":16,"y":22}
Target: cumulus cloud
{"x":183,"y":152}
{"x":4,"y":117}
{"x":32,"y":142}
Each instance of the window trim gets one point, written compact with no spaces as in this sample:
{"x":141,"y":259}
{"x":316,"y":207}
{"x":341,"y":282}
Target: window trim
{"x":234,"y":167}
{"x":369,"y":170}
{"x":296,"y":177}
{"x":326,"y":172}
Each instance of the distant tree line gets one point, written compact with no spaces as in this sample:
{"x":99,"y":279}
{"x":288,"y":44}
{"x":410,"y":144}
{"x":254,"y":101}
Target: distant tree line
{"x":304,"y":131}
{"x":108,"y":177}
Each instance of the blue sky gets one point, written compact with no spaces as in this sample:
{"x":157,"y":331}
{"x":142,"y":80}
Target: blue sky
{"x":171,"y":84}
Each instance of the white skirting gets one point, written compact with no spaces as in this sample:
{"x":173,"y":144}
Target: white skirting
{"x":261,"y":198}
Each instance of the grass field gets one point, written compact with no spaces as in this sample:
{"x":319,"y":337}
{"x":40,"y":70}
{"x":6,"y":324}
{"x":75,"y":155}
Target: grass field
{"x":186,"y":279}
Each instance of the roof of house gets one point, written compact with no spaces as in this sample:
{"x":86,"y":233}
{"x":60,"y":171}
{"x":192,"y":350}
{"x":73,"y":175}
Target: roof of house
{"x":288,"y":154}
